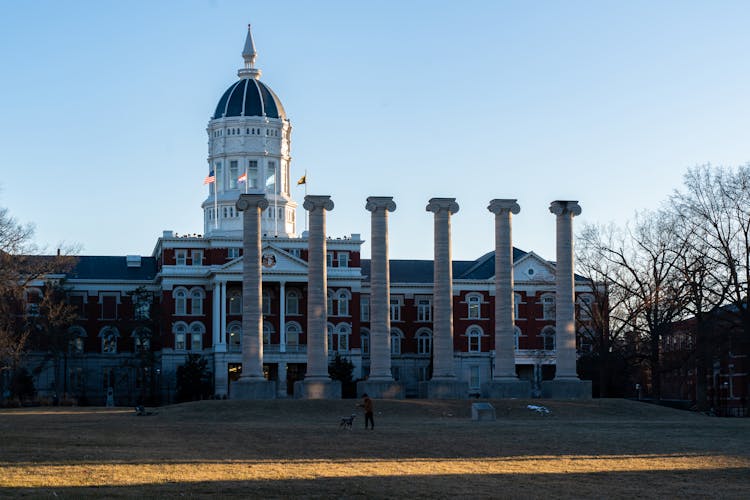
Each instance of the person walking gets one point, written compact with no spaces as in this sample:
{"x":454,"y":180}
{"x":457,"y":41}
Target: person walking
{"x":367,"y":405}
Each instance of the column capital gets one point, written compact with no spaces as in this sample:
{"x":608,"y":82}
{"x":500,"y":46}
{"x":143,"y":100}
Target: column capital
{"x":314,"y":202}
{"x":561,"y":207}
{"x":437,"y":205}
{"x":248,"y":201}
{"x":375,"y":203}
{"x":500,"y":206}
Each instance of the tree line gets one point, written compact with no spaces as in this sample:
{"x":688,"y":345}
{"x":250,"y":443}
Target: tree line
{"x":687,"y":260}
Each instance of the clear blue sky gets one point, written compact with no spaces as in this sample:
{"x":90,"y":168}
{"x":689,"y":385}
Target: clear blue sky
{"x":104,"y":108}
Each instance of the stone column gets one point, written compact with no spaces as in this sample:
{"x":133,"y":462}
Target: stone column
{"x":317,"y":384}
{"x":380,"y":383}
{"x":505,"y":359}
{"x":216,"y":312}
{"x":505,"y":382}
{"x":443,"y":384}
{"x":223,"y":319}
{"x":282,"y":317}
{"x":252,"y":384}
{"x":566,"y":383}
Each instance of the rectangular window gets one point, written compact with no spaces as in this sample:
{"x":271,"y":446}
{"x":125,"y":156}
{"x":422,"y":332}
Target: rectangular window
{"x":329,"y":259}
{"x":219,"y":176}
{"x":196,"y":342}
{"x":364,"y":308}
{"x":297,"y":252}
{"x":180,"y":257}
{"x":548,"y":307}
{"x":395,"y":309}
{"x":196,"y":257}
{"x":233,"y":253}
{"x":108,"y":305}
{"x":271,"y":177}
{"x":474,"y":381}
{"x":343,"y":259}
{"x":252,"y":174}
{"x":424,"y":310}
{"x":234,"y":173}
{"x":79,"y":303}
{"x":423,"y":373}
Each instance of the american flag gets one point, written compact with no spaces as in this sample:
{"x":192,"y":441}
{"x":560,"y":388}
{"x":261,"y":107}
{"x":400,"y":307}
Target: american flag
{"x":210,"y":178}
{"x":242,"y":178}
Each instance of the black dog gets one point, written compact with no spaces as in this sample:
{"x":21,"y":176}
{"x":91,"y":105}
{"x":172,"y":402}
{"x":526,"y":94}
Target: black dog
{"x":346,"y":422}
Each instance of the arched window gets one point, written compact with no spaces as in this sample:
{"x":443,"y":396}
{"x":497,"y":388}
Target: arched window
{"x":180,"y":301}
{"x":341,"y":337}
{"x":548,"y":306}
{"x":267,"y":332}
{"x":180,"y":334}
{"x":548,"y":338}
{"x":474,"y":305}
{"x":517,"y":336}
{"x":342,"y":302}
{"x":396,"y":337}
{"x":109,"y":335}
{"x":196,"y":336}
{"x":77,"y":343}
{"x":141,"y":339}
{"x":293,"y":332}
{"x":329,"y":303}
{"x":234,"y":332}
{"x":235,"y":302}
{"x":292,"y":302}
{"x":364,"y":339}
{"x":266,"y":302}
{"x":475,"y":333}
{"x":196,"y":301}
{"x":424,"y":341}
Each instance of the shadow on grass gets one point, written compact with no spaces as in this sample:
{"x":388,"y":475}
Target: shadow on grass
{"x":725,"y":483}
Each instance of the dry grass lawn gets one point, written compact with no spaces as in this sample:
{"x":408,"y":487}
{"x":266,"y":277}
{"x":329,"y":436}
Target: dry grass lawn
{"x":285,"y":448}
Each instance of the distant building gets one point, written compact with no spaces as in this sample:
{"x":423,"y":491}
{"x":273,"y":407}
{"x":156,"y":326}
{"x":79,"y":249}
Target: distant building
{"x":724,"y":350}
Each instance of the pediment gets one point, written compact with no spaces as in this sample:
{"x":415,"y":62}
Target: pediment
{"x":274,"y":260}
{"x":531,"y":267}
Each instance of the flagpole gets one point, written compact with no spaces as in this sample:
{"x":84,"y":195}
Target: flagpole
{"x":216,"y":203}
{"x":306,"y":212}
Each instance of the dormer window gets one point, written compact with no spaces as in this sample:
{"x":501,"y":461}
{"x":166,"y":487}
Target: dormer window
{"x":180,"y":257}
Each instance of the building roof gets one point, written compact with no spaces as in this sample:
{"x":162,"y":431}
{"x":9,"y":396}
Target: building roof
{"x":421,"y":271}
{"x":114,"y":268}
{"x":249,"y":97}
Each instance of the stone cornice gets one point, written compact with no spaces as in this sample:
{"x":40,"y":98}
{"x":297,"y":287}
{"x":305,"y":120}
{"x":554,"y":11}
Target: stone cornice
{"x":380,"y":203}
{"x":248,"y":201}
{"x":437,"y":205}
{"x":503,"y":206}
{"x":561,"y":207}
{"x":315,"y":202}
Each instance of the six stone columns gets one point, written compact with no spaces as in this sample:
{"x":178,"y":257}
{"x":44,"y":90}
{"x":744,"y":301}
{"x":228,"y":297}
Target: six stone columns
{"x":252,"y":384}
{"x":380,"y":383}
{"x":566,"y":383}
{"x":443,"y":384}
{"x":317,"y":383}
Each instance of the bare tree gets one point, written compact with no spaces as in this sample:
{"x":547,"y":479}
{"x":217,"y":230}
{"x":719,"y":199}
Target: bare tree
{"x":21,"y":266}
{"x":641,"y":263}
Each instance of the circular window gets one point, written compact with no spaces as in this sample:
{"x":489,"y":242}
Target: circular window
{"x":530,"y":272}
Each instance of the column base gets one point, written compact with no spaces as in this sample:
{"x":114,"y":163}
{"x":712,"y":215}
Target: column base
{"x":221,"y":376}
{"x":566,"y":389}
{"x":245,"y":389}
{"x":384,"y":389}
{"x":317,"y":389}
{"x":443,"y":389}
{"x":507,"y":389}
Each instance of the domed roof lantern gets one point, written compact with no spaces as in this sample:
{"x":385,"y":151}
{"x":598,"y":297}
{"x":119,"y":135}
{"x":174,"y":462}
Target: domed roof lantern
{"x":249,"y":54}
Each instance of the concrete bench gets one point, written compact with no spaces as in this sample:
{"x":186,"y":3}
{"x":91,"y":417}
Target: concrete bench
{"x":482,"y":411}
